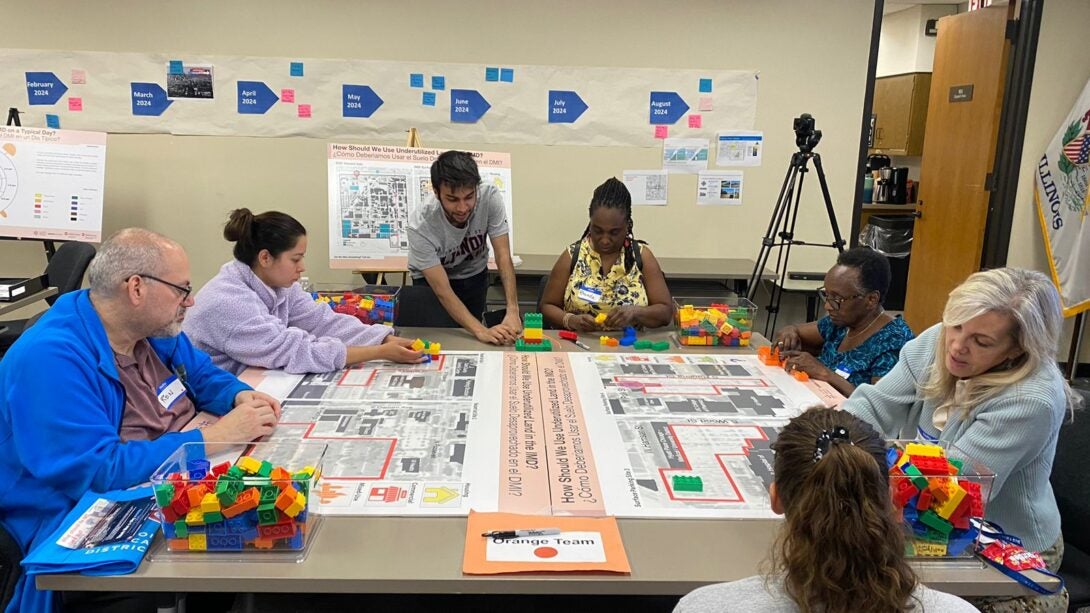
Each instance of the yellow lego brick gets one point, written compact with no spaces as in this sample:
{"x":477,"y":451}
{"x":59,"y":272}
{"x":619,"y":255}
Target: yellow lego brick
{"x":210,"y":504}
{"x":931,"y":451}
{"x":198,"y":542}
{"x":418,"y":345}
{"x":434,"y":349}
{"x":901,"y":461}
{"x":744,"y":342}
{"x":195,"y":517}
{"x":600,"y":318}
{"x":248,"y":464}
{"x":532,"y":333}
{"x":367,"y":303}
{"x":947,"y":508}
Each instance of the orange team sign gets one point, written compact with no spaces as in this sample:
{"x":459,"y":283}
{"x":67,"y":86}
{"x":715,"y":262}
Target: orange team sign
{"x":569,"y":544}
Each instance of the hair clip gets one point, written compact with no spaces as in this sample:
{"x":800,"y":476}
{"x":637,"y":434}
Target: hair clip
{"x":826,"y":438}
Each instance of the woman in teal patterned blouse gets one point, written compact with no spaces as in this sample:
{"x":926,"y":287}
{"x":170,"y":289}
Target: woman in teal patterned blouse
{"x":857,"y":342}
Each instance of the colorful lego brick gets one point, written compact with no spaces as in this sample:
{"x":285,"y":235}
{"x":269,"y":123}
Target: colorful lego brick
{"x":532,"y":333}
{"x":280,"y":477}
{"x":955,"y":496}
{"x":434,"y":348}
{"x":297,"y":507}
{"x":225,"y":542}
{"x":532,"y":320}
{"x":924,"y":501}
{"x":164,"y":494}
{"x":642,"y":344}
{"x":800,"y":375}
{"x":266,"y":468}
{"x":660,"y":345}
{"x":197,"y":469}
{"x":892,"y":455}
{"x":904,"y":490}
{"x":687,"y":483}
{"x":924,"y":449}
{"x":277,"y":531}
{"x":248,"y":464}
{"x":418,"y":345}
{"x":932,"y":520}
{"x":286,"y":498}
{"x":523,"y":345}
{"x":210,"y":503}
{"x":266,"y":514}
{"x":600,"y":318}
{"x":213,"y":517}
{"x":178,"y":544}
{"x":915,"y":475}
{"x":930,"y":465}
{"x":194,"y":518}
{"x":196,"y":495}
{"x":214,"y":527}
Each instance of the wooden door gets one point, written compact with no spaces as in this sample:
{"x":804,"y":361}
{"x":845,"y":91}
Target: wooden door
{"x":958,"y":153}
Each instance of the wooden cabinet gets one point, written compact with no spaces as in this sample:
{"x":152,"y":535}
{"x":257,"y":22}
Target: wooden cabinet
{"x":900,"y":109}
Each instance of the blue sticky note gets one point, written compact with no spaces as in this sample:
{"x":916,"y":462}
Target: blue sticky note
{"x":507,"y":75}
{"x":53,"y":121}
{"x":439,"y":82}
{"x":296,"y":69}
{"x":492,"y":73}
{"x":176,"y":67}
{"x":429,"y":99}
{"x":416,"y":79}
{"x":705,"y":86}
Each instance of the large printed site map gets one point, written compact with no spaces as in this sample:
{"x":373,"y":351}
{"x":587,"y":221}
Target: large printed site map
{"x":559,"y":433}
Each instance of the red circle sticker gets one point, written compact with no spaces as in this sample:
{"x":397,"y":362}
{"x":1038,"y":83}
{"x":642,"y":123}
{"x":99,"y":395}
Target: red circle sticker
{"x":546,"y":552}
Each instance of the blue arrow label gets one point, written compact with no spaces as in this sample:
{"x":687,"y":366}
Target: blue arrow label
{"x":565,"y":106}
{"x":44,"y":88}
{"x":359,"y":100}
{"x":149,"y":99}
{"x":467,"y":106}
{"x":255,"y":98}
{"x":667,"y":108}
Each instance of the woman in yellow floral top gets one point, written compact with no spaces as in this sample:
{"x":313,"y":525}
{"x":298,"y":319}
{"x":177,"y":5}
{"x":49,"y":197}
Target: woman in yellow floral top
{"x":607,"y":271}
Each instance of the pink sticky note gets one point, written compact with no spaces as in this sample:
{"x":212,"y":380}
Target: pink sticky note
{"x":287,"y":95}
{"x":695,"y":121}
{"x":705,"y":103}
{"x":79,"y":77}
{"x":304,"y":111}
{"x":75,"y":104}
{"x":662,"y":131}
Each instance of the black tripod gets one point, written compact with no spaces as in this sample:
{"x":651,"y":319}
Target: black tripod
{"x":782,"y":224}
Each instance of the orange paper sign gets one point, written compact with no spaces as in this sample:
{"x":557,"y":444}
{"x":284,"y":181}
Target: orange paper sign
{"x":583,"y":544}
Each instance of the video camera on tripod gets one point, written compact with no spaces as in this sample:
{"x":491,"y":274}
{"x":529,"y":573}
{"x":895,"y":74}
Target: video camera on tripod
{"x":781,"y":228}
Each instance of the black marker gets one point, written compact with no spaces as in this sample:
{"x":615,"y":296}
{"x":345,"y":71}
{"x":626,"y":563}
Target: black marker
{"x":510,"y":534}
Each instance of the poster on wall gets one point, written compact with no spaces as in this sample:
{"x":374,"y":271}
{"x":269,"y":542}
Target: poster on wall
{"x":51,"y":183}
{"x":373,"y":190}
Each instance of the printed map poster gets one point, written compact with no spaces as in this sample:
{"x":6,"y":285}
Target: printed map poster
{"x":374,"y":189}
{"x":558,"y":434}
{"x":51,"y":184}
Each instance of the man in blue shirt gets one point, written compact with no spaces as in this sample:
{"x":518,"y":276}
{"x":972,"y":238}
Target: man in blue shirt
{"x":63,"y":401}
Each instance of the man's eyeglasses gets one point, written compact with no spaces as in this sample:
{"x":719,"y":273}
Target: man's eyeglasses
{"x":184,"y":289}
{"x":833,"y":300}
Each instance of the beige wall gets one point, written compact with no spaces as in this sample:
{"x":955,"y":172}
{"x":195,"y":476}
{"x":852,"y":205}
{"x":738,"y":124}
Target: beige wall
{"x":811,"y":56}
{"x":1062,"y":69}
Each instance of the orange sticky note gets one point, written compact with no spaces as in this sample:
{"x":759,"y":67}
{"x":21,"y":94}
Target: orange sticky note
{"x":705,"y":103}
{"x":304,"y":111}
{"x":695,"y":121}
{"x":662,"y":131}
{"x":79,"y":77}
{"x":287,"y":95}
{"x":75,"y":104}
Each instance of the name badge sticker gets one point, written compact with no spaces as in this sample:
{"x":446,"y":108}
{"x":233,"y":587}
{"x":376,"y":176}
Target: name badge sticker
{"x":170,"y":391}
{"x":589,"y":294}
{"x":843,"y":371}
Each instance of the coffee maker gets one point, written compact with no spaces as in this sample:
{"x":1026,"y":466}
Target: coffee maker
{"x":898,"y":186}
{"x":882,"y":186}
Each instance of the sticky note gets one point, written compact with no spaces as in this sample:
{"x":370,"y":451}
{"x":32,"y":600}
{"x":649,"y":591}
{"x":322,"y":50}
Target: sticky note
{"x":696,"y":121}
{"x":439,"y":82}
{"x":176,"y":67}
{"x":304,"y":111}
{"x":75,"y":104}
{"x":662,"y":131}
{"x":507,"y":75}
{"x":52,"y":121}
{"x":705,"y":103}
{"x":705,"y":86}
{"x":79,"y":77}
{"x":296,"y":69}
{"x":492,"y":73}
{"x":416,"y":79}
{"x":428,"y":99}
{"x":287,"y":95}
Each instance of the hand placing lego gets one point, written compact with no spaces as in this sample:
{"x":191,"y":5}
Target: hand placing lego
{"x":788,"y":339}
{"x":512,"y":322}
{"x":622,"y":317}
{"x":807,"y":363}
{"x":249,"y":420}
{"x":254,"y":396}
{"x":496,"y":335}
{"x":580,"y":322}
{"x":398,"y":349}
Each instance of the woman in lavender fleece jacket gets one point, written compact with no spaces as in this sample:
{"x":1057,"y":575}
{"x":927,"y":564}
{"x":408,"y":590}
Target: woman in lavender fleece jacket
{"x":253,"y":313}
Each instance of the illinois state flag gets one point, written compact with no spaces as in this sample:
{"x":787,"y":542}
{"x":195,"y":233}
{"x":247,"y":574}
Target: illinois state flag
{"x":1063,"y":175}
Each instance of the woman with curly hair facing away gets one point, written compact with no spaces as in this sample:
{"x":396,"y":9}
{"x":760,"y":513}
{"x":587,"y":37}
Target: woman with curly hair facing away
{"x":841,"y":547}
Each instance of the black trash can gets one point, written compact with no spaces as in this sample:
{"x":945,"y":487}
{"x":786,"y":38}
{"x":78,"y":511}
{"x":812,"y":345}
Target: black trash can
{"x":891,"y":235}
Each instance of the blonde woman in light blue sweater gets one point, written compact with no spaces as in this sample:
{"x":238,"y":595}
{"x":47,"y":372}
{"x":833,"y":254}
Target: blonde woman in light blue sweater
{"x":986,"y":381}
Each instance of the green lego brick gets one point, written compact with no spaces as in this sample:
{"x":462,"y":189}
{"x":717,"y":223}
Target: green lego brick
{"x":164,"y":494}
{"x":181,"y":530}
{"x":544,"y":345}
{"x":958,"y":464}
{"x":266,"y":468}
{"x":213,"y":517}
{"x":660,"y":345}
{"x":932,"y":520}
{"x":683,"y":483}
{"x":532,"y":320}
{"x":915,"y":476}
{"x":266,"y":515}
{"x":642,"y":344}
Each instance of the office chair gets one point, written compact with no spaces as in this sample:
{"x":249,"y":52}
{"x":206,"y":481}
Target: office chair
{"x":65,"y":272}
{"x":1072,"y":490}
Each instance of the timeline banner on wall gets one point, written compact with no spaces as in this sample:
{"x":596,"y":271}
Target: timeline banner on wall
{"x":371,"y":99}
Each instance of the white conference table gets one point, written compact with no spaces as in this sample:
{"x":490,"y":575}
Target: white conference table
{"x":423,"y":555}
